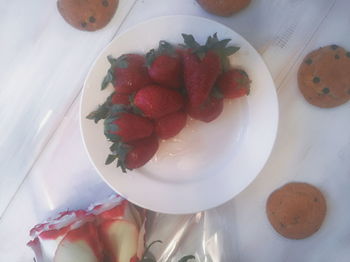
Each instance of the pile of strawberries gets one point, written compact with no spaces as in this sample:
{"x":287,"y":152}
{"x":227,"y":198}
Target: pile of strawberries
{"x":153,"y":94}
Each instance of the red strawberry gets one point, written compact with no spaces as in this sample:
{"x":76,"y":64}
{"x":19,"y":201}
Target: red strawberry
{"x":126,"y":127}
{"x":170,"y":125}
{"x":200,"y":75}
{"x":165,"y":65}
{"x":202,"y":66}
{"x":128,"y":73}
{"x":234,"y":83}
{"x":141,"y":152}
{"x":208,"y":111}
{"x":120,"y":99}
{"x":134,"y":154}
{"x":155,"y":101}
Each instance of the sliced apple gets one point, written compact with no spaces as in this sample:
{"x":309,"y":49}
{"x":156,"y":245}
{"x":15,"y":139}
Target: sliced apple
{"x":138,"y":215}
{"x":81,"y":244}
{"x":122,"y":212}
{"x":121,"y":237}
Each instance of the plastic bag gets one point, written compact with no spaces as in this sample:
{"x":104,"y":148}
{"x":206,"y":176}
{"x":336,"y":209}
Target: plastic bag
{"x":175,"y":237}
{"x":204,"y":235}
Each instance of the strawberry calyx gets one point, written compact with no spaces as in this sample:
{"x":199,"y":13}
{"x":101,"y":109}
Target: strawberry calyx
{"x":119,"y":150}
{"x":109,"y":127}
{"x":102,"y":110}
{"x":164,"y":48}
{"x":120,"y":62}
{"x":108,"y":107}
{"x":212,"y":44}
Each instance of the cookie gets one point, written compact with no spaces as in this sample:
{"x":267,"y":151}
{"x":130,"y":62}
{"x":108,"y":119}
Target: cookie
{"x":223,"y":7}
{"x":87,"y":15}
{"x":324,"y":77}
{"x":296,"y":210}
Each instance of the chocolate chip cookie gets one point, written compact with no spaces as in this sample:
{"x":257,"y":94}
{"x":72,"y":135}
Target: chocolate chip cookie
{"x":223,"y":7}
{"x":324,"y":76}
{"x":87,"y":15}
{"x":296,"y":210}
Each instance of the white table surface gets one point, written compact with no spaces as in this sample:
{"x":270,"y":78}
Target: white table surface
{"x":43,"y":166}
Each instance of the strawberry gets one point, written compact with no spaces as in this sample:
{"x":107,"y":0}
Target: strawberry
{"x":126,"y":127}
{"x":202,"y":66}
{"x":141,"y":151}
{"x":234,"y":83}
{"x":208,"y":111}
{"x":165,"y":65}
{"x":134,"y":154}
{"x":120,"y":99}
{"x":155,"y":101}
{"x":170,"y":125}
{"x":128,"y":73}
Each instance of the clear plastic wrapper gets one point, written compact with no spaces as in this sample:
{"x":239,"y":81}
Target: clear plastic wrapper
{"x":204,"y":235}
{"x":116,"y":230}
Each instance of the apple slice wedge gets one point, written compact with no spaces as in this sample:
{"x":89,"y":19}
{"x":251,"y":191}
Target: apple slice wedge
{"x":81,"y":244}
{"x":121,"y":237}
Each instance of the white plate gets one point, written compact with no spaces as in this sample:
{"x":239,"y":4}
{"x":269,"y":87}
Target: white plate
{"x":206,"y":164}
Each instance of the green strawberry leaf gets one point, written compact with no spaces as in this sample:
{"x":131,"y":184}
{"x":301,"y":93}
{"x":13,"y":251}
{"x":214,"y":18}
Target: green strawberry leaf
{"x":121,"y":165}
{"x":230,"y":50}
{"x":100,"y":113}
{"x":107,"y":79}
{"x":110,"y":159}
{"x":190,"y":41}
{"x":112,"y":137}
{"x":113,"y":147}
{"x":120,"y":62}
{"x":210,"y":41}
{"x":221,"y":44}
{"x":150,"y":57}
{"x":110,"y":127}
{"x":186,"y":258}
{"x":117,"y":108}
{"x":166,"y":48}
{"x":122,"y":150}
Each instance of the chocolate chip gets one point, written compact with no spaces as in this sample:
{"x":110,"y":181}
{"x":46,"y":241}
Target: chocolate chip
{"x":349,"y":91}
{"x":308,"y":61}
{"x":325,"y":90}
{"x":334,"y":47}
{"x":336,"y":56}
{"x":348,"y":54}
{"x":315,"y":199}
{"x":282,"y":225}
{"x":105,"y":3}
{"x":92,"y":19}
{"x":83,"y":24}
{"x":316,"y":80}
